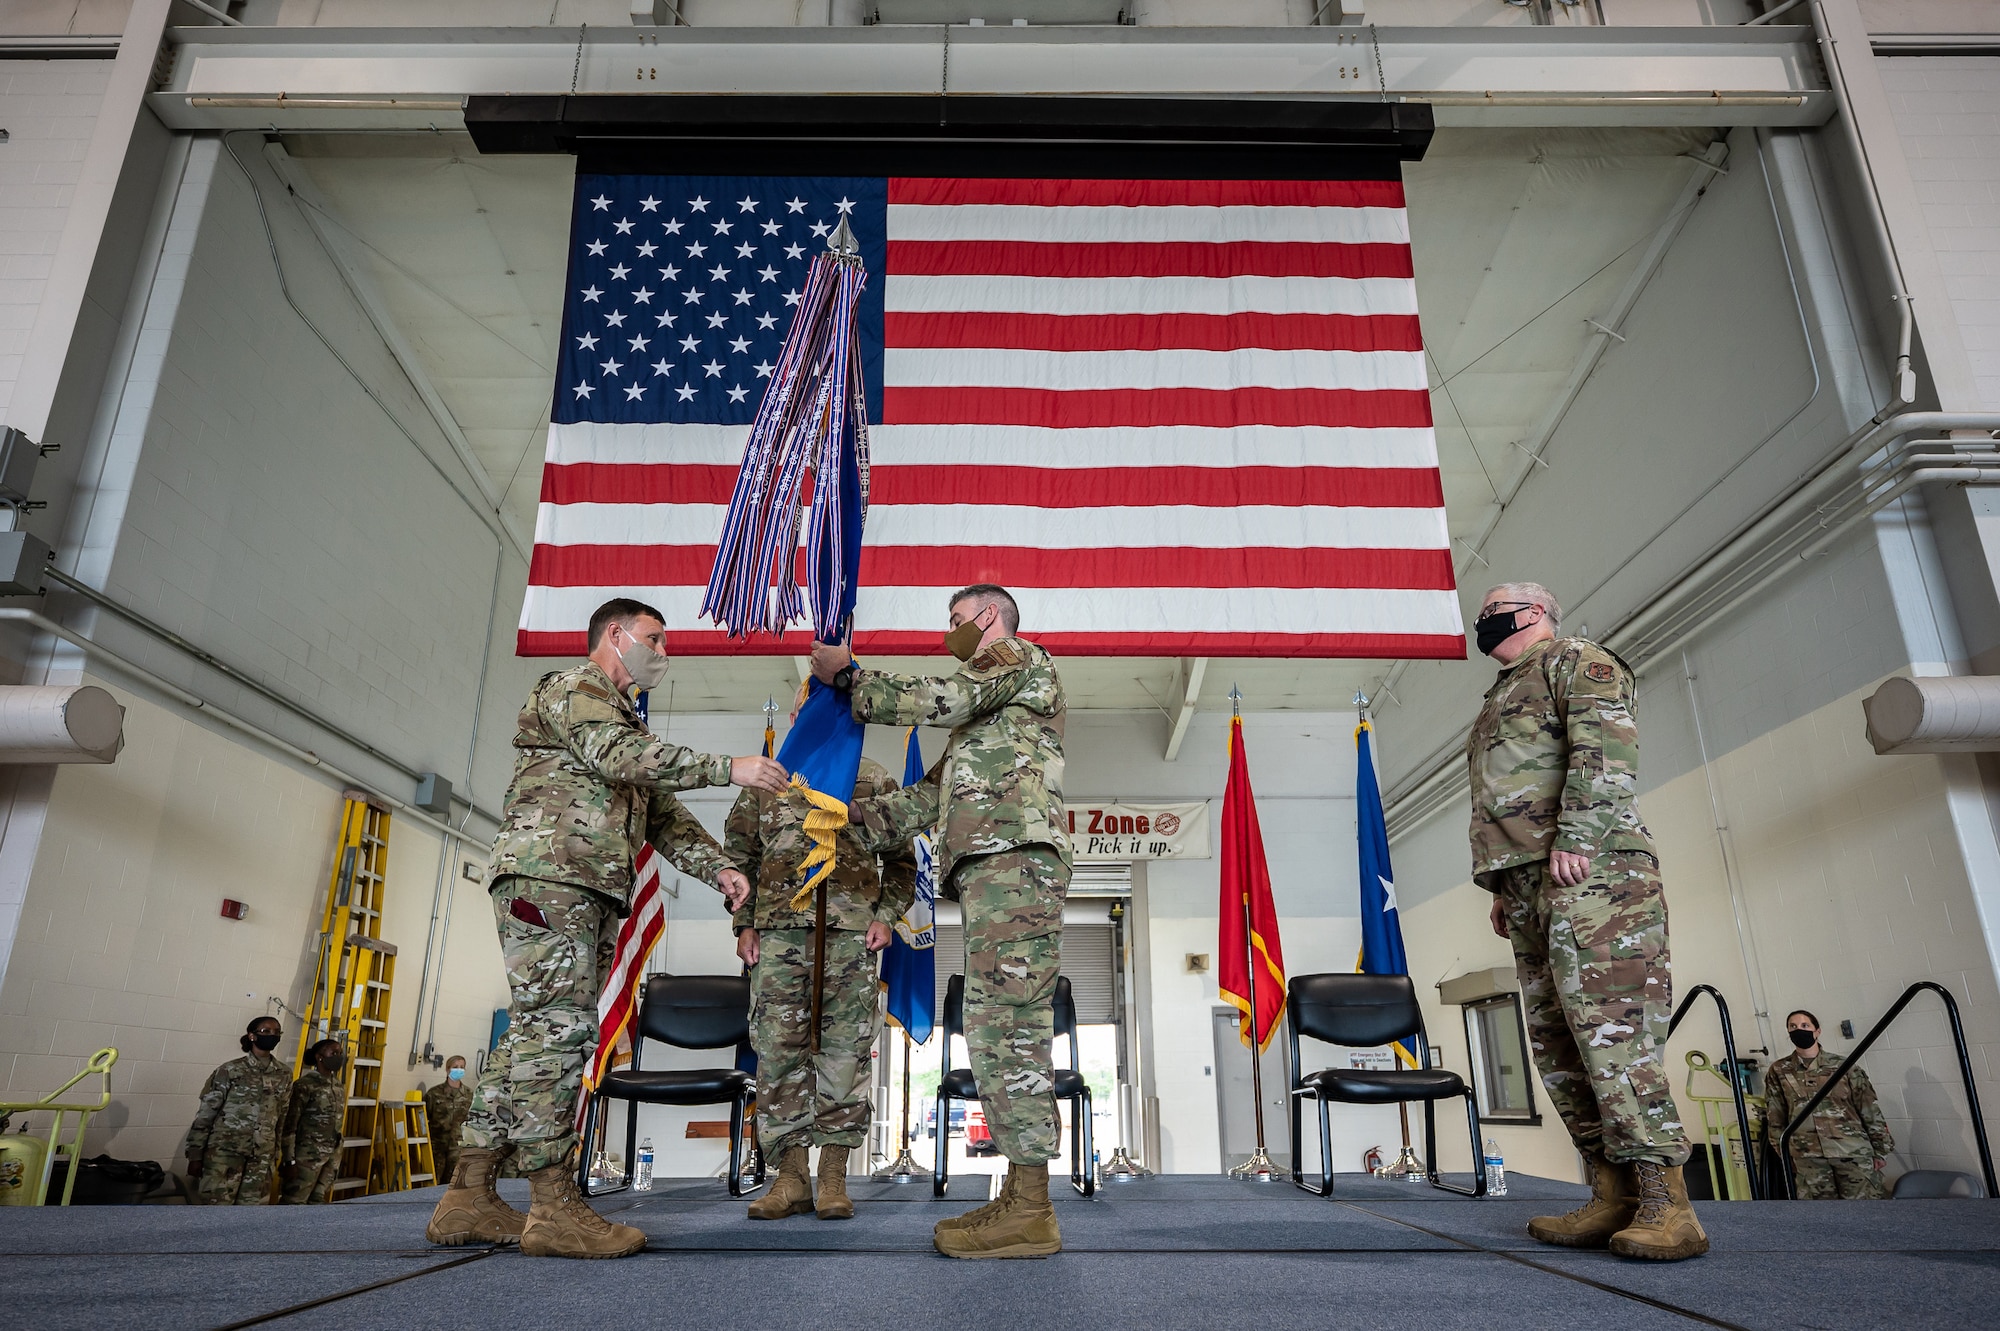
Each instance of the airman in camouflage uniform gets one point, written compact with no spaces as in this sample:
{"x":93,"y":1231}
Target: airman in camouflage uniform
{"x":315,"y":1122}
{"x":591,"y":785}
{"x":1556,"y":837}
{"x":445,"y":1108}
{"x":994,"y":806}
{"x":233,"y":1140}
{"x":1840,"y":1152}
{"x":807,"y":1098}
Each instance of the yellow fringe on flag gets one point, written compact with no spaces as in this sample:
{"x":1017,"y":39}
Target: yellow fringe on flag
{"x":823,"y":823}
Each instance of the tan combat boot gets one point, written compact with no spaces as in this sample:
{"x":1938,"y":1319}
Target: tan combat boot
{"x":561,"y":1223}
{"x":791,"y":1192}
{"x":1614,"y":1199}
{"x":834,"y":1203}
{"x":1025,"y":1225}
{"x":979,"y":1215}
{"x":470,"y":1210}
{"x":1665,"y":1230}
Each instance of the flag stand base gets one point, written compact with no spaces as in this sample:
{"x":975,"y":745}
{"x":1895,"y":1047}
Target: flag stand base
{"x":1122,"y":1168}
{"x":903,"y":1169}
{"x":1407,"y":1169}
{"x":1257,"y":1169}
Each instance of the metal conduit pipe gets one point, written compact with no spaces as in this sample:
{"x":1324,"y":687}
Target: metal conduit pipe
{"x":305,"y":758}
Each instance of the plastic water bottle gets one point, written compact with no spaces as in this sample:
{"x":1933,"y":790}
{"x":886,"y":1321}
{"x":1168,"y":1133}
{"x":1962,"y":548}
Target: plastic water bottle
{"x":1496,"y":1170}
{"x":642,"y":1178}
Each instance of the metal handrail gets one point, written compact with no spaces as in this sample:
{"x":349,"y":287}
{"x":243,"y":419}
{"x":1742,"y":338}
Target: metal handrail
{"x":1846,"y":1064}
{"x":1735,"y":1076}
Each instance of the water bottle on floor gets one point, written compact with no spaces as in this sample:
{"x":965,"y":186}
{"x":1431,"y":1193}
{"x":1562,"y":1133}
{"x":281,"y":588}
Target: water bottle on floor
{"x":1496,"y":1170}
{"x":642,"y":1176}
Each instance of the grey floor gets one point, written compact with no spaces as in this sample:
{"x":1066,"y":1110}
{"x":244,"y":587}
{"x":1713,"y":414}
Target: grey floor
{"x":1162,"y":1254}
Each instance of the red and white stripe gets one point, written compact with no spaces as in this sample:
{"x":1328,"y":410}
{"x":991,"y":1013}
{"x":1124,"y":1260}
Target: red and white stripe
{"x":1174,"y":417}
{"x":638,"y":935}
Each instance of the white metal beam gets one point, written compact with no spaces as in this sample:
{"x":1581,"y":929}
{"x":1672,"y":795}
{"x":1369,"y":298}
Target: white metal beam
{"x":325,"y":78}
{"x":1188,"y":676}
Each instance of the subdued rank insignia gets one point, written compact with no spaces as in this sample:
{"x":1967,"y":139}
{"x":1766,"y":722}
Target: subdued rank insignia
{"x":1601,"y":671}
{"x":1002,"y":653}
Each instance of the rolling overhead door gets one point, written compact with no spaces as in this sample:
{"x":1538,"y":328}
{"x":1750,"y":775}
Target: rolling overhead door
{"x":1086,"y":958}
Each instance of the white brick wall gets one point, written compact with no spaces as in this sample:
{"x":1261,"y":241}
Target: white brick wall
{"x":48,"y":108}
{"x":1947,"y":112}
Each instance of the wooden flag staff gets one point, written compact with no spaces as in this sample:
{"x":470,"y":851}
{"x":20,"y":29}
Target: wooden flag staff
{"x":1258,"y":1168}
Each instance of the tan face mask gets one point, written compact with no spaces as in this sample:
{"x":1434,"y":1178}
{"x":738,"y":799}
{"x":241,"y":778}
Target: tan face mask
{"x":963,"y":641}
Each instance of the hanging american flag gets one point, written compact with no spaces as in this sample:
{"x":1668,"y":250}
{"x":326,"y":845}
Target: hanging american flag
{"x":618,"y":1006}
{"x":1174,"y":417}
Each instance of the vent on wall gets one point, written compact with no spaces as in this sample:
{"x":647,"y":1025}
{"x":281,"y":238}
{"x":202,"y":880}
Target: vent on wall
{"x":1935,"y":714}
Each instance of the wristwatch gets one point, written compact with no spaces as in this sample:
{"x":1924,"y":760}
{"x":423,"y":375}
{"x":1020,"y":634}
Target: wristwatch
{"x":843,"y":678}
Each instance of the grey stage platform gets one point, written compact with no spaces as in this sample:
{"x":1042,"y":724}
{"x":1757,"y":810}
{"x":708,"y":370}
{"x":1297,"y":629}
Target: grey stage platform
{"x":1167,"y":1253}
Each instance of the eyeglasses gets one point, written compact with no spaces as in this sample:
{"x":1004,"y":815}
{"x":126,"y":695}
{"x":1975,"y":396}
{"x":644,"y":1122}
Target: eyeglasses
{"x":1501,"y":605}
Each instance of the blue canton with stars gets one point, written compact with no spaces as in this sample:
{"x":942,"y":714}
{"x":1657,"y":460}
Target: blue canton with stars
{"x":682,"y":288}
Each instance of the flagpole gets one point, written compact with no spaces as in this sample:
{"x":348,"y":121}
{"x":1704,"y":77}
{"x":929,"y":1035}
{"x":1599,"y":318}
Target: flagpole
{"x":1408,"y":1167}
{"x":904,"y":1168}
{"x":1258,"y":1168}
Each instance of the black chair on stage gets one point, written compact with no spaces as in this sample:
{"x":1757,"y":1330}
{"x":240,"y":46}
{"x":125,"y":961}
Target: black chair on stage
{"x":957,"y":1084}
{"x":688,"y":1012}
{"x":1363,"y":1012}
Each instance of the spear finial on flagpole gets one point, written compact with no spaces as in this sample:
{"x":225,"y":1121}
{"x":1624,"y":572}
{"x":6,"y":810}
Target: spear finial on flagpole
{"x":1361,"y":706}
{"x":842,"y":242}
{"x":1235,"y":702}
{"x":771,"y":712}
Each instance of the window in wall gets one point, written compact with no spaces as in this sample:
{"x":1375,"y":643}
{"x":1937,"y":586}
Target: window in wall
{"x":1498,"y":1041}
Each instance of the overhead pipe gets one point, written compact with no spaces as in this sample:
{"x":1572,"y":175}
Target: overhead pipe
{"x":305,"y":758}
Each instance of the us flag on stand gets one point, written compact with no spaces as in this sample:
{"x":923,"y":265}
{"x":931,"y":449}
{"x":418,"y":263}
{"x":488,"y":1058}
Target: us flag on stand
{"x":1175,"y":417}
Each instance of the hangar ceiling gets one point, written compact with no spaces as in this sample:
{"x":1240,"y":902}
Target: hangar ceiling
{"x":1520,"y":236}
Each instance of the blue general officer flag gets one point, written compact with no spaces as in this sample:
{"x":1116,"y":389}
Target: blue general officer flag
{"x":1381,"y":923}
{"x":909,"y":967}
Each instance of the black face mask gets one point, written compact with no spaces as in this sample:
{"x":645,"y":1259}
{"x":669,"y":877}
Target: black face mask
{"x":1489,"y":631}
{"x":1804,"y":1039}
{"x":267,"y":1040}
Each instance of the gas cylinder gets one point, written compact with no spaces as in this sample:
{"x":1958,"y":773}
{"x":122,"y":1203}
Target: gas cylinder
{"x":21,"y":1159}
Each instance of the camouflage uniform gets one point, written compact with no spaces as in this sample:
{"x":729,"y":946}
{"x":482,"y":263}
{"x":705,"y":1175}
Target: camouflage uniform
{"x":805,"y":1099}
{"x":1554,"y":761}
{"x":445,"y":1107}
{"x":994,"y":806}
{"x":315,"y":1121}
{"x":235,"y":1132}
{"x":590,"y":785}
{"x":1834,"y":1154}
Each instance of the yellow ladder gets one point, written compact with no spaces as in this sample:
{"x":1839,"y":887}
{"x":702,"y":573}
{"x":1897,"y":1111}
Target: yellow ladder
{"x":353,"y":978}
{"x":415,"y":1165}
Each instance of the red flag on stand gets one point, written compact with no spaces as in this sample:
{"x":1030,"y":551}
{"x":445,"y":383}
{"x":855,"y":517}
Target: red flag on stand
{"x":1246,"y":877}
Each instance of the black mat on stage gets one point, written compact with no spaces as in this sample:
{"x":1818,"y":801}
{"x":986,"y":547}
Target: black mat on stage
{"x":1162,"y":1253}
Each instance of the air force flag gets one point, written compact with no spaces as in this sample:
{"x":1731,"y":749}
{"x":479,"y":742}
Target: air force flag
{"x":909,"y":967}
{"x":1381,"y":925}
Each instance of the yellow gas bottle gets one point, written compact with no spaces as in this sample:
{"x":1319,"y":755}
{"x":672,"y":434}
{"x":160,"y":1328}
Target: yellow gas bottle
{"x":21,"y":1159}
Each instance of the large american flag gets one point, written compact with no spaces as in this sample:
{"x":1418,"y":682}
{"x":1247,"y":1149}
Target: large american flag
{"x":1175,"y":417}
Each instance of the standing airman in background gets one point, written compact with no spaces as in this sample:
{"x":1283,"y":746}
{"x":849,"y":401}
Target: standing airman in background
{"x":1840,"y":1153}
{"x":813,"y":1091}
{"x":994,"y":805}
{"x":591,"y":784}
{"x":233,"y":1140}
{"x":445,"y":1107}
{"x":1557,"y":840}
{"x":315,"y":1122}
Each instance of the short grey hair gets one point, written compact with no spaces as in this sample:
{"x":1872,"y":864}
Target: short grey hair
{"x":1533,"y":593}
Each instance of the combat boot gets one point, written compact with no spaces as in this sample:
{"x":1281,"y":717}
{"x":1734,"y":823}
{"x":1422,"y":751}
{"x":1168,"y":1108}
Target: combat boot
{"x":1024,"y":1226}
{"x":834,"y":1203}
{"x":979,"y":1215}
{"x":1665,"y":1230}
{"x":561,"y":1223}
{"x":791,"y":1193}
{"x":1614,"y":1199}
{"x":471,"y":1210}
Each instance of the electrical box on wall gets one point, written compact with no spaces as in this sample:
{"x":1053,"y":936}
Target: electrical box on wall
{"x":234,"y":910}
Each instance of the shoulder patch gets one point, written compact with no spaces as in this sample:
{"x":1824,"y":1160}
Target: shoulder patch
{"x":591,"y":706}
{"x":590,"y":688}
{"x":1602,"y":672}
{"x":999,"y":655}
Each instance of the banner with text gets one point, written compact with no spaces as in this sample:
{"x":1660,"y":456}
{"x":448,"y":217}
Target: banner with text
{"x":1139,"y":831}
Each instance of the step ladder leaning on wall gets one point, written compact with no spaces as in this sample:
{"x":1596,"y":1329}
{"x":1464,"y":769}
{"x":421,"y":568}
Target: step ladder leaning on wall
{"x":353,"y":979}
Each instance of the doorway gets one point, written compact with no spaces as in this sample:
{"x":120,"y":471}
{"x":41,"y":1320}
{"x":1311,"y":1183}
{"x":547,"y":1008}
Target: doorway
{"x":1235,"y":1111}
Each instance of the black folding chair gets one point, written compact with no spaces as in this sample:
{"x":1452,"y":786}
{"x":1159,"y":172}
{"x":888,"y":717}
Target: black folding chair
{"x":957,"y":1084}
{"x":1361,"y":1012}
{"x":688,"y":1012}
